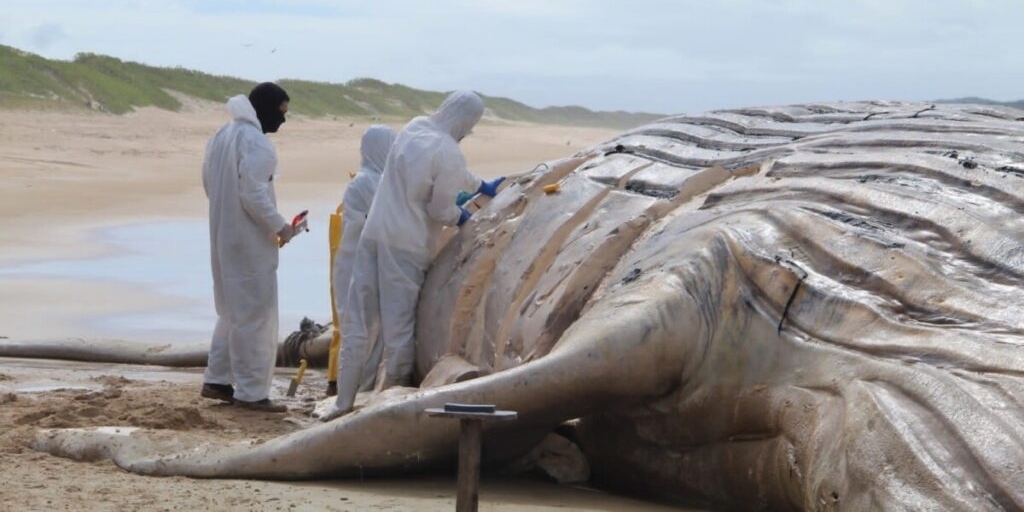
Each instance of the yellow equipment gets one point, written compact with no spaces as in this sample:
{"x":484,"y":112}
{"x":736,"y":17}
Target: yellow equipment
{"x":294,"y":385}
{"x":334,"y":234}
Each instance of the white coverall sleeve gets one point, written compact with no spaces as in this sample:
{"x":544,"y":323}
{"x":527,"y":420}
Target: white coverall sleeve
{"x":255,"y":170}
{"x":452,"y":176}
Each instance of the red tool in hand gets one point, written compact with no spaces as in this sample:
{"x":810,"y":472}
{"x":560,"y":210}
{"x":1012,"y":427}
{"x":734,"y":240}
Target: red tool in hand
{"x":299,"y":224}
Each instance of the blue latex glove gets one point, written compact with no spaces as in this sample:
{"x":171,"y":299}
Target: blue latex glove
{"x":463,"y":216}
{"x":490,"y":188}
{"x":463,"y":197}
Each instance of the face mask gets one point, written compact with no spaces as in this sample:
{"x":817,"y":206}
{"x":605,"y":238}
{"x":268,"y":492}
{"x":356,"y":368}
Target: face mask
{"x":273,"y":123}
{"x":266,"y":99}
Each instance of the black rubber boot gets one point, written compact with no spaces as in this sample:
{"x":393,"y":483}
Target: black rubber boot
{"x":223,"y":392}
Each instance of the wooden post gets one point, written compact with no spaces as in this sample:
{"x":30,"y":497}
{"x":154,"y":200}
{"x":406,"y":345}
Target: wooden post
{"x":471,"y":419}
{"x":469,"y":465}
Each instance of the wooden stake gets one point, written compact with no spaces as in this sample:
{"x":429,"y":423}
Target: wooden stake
{"x":470,"y":437}
{"x":469,"y":465}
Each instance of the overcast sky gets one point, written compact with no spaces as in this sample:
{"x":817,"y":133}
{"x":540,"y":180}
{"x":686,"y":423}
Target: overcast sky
{"x":656,"y":56}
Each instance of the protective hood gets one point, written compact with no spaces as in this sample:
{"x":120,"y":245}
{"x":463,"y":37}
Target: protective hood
{"x":374,"y":148}
{"x":241,"y":110}
{"x":266,"y":99}
{"x":459,"y":113}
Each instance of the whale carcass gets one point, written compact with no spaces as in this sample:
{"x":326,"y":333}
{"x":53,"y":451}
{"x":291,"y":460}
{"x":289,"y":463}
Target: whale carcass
{"x":801,"y":307}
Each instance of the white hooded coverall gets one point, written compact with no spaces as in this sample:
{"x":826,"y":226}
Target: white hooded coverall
{"x":374,"y":148}
{"x":238,"y":170}
{"x":415,"y":200}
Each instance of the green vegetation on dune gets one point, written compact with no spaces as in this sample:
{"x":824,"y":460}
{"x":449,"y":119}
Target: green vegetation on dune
{"x":103,"y":83}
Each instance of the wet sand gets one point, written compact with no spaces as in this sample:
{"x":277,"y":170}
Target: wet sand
{"x":38,"y":394}
{"x":67,"y":175}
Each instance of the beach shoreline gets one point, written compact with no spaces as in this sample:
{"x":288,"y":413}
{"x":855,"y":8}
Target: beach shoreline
{"x":68,"y":176}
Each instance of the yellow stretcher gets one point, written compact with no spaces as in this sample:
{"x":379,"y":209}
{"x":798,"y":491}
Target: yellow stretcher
{"x":334,"y":234}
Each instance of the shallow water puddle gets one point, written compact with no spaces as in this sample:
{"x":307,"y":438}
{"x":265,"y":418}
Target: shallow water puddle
{"x":171,"y":259}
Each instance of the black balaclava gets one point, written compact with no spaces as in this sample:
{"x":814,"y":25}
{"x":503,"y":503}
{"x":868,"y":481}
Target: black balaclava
{"x":267,"y":98}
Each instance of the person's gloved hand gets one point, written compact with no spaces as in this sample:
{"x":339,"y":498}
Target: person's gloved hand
{"x":463,"y":197}
{"x":286,"y":234}
{"x":490,"y":188}
{"x":463,"y":216}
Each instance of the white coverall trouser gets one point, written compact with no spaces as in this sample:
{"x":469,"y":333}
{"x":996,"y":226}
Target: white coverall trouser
{"x":248,"y":328}
{"x":391,"y":288}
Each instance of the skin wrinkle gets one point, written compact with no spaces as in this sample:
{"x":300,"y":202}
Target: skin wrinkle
{"x":825,"y":337}
{"x":822,"y":252}
{"x":915,"y":402}
{"x":536,"y":269}
{"x":999,"y":271}
{"x":477,"y":266}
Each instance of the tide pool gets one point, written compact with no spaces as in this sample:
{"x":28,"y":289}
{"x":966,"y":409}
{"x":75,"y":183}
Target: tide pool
{"x":172,"y":259}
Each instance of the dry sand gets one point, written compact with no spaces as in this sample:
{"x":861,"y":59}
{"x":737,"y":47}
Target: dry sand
{"x":64,"y":175}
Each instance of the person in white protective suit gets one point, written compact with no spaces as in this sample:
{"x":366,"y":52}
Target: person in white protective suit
{"x":359,"y":194}
{"x":415,"y":200}
{"x":245,"y":232}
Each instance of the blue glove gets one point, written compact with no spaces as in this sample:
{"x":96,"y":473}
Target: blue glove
{"x":490,"y":188}
{"x":463,"y":197}
{"x":463,"y":216}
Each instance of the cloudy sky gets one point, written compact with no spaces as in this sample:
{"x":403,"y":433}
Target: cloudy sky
{"x":669,"y":56}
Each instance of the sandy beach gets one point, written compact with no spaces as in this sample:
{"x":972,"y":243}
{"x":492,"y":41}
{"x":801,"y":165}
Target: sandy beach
{"x":68,"y":176}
